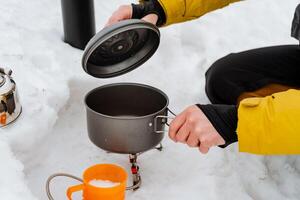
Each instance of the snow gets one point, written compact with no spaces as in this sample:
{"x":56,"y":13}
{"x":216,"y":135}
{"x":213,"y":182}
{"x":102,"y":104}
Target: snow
{"x":103,"y":183}
{"x":51,"y":136}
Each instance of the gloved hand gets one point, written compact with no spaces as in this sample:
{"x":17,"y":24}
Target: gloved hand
{"x":150,"y":11}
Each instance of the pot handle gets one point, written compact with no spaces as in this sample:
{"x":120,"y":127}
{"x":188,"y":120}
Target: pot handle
{"x":164,"y":120}
{"x":57,"y":175}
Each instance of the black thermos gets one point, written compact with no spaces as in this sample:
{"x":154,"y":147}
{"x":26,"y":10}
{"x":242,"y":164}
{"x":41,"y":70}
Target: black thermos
{"x":79,"y":21}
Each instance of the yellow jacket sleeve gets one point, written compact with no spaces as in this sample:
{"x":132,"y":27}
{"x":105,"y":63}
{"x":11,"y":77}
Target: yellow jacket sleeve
{"x":270,"y":125}
{"x":183,"y":10}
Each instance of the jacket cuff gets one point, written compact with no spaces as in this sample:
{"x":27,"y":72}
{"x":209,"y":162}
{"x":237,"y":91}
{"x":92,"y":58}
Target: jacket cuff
{"x":224,"y":120}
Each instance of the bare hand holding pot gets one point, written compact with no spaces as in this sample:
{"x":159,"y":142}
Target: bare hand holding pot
{"x":192,"y":127}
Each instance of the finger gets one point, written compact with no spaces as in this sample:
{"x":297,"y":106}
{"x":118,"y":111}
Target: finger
{"x":112,"y":20}
{"x":193,"y":140}
{"x":175,"y":125}
{"x":151,"y":18}
{"x":124,"y":12}
{"x":210,"y":140}
{"x":182,"y":134}
{"x":203,"y":149}
{"x":220,"y":141}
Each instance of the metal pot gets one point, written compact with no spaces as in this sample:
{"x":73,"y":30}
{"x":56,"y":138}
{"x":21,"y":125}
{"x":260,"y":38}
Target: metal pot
{"x":10,"y":107}
{"x":126,"y":118}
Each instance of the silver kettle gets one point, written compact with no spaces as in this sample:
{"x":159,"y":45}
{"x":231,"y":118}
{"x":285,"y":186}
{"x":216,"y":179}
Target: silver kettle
{"x":10,"y":107}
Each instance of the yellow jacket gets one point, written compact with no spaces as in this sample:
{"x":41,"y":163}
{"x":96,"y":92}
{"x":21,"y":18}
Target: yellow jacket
{"x":269,"y":125}
{"x":184,"y":10}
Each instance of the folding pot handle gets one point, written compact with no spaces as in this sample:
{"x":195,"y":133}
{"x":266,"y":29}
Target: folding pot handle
{"x":164,"y":120}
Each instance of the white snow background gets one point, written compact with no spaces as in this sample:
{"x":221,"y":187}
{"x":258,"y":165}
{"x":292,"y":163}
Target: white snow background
{"x":51,"y":136}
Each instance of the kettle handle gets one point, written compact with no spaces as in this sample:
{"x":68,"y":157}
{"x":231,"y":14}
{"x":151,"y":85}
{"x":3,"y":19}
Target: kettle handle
{"x":6,"y":71}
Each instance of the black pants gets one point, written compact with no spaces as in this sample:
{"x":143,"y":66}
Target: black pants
{"x":248,"y":71}
{"x":243,"y":72}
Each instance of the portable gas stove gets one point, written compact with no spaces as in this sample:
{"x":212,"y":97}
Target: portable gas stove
{"x":135,"y":169}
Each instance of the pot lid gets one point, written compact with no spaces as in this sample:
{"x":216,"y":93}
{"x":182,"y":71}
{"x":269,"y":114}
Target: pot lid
{"x":120,"y":48}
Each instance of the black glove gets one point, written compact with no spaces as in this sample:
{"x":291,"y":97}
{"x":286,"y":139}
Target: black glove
{"x":149,"y":7}
{"x":224,"y":119}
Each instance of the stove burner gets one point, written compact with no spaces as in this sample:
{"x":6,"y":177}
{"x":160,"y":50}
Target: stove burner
{"x":135,"y":169}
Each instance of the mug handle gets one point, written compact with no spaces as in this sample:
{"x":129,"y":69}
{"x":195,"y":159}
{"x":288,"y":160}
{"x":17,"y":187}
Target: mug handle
{"x":73,"y":189}
{"x":58,"y":175}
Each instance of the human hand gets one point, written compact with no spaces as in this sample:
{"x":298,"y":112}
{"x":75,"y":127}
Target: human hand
{"x":125,"y":12}
{"x":192,"y":127}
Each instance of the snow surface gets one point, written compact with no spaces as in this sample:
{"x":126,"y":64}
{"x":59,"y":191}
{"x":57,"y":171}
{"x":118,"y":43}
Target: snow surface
{"x":50,"y":136}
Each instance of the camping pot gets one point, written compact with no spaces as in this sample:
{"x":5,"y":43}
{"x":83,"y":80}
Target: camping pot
{"x":126,"y":118}
{"x":10,"y":107}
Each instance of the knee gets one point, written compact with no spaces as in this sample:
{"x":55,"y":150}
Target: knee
{"x":218,"y":80}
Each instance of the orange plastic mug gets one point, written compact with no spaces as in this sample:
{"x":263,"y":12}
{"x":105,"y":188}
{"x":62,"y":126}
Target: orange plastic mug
{"x":108,"y":172}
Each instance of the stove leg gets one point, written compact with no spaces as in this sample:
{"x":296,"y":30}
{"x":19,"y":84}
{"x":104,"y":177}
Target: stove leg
{"x":136,"y":177}
{"x":159,"y":147}
{"x":136,"y":181}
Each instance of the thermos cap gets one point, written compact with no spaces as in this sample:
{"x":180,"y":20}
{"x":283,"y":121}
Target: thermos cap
{"x":120,"y":48}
